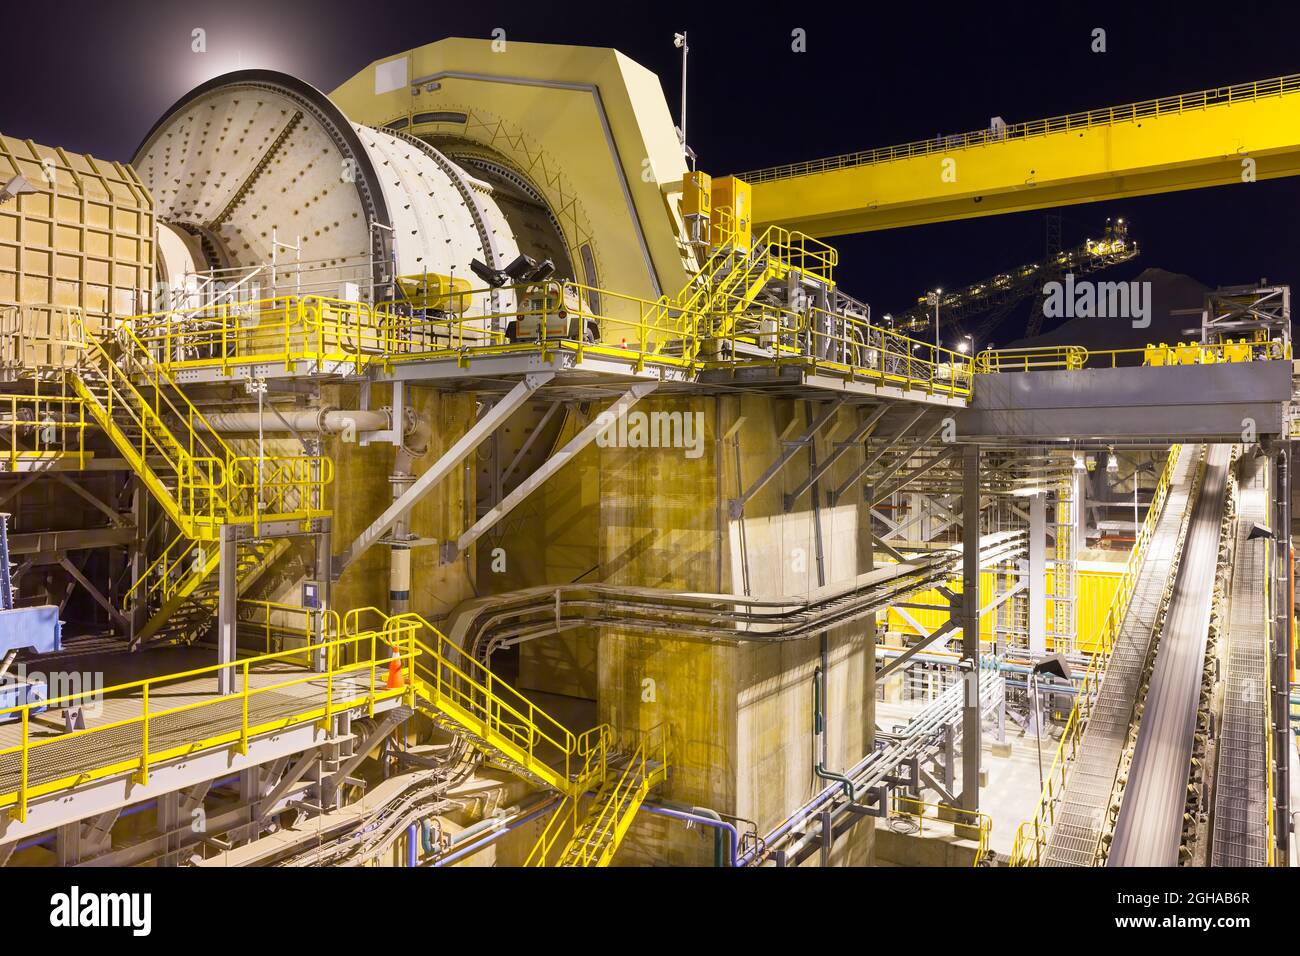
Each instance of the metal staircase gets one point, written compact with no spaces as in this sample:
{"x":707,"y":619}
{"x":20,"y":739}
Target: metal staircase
{"x":598,"y":836}
{"x":180,"y":589}
{"x":462,"y":694}
{"x":199,"y":481}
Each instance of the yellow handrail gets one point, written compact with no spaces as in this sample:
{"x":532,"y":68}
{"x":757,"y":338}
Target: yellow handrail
{"x":451,"y":677}
{"x":118,"y":757}
{"x":979,"y":830}
{"x":631,"y":785}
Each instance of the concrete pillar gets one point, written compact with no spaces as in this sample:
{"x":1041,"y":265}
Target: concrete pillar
{"x":1038,"y":573}
{"x":970,"y":623}
{"x":227,"y":598}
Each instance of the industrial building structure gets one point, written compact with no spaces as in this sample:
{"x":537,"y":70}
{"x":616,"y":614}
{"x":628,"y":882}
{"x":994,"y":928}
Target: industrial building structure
{"x":445,"y":471}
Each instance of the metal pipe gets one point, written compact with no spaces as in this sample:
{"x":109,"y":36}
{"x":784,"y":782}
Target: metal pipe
{"x":819,"y":731}
{"x":492,"y":837}
{"x":328,"y":421}
{"x":700,"y":816}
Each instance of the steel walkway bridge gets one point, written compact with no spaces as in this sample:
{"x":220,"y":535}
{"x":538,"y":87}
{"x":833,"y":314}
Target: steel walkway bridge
{"x":1069,"y":822}
{"x":1241,"y":805}
{"x":1149,"y":831}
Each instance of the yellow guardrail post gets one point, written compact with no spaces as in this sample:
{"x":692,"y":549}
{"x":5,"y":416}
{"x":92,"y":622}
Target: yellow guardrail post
{"x":144,"y":735}
{"x":243,"y":717}
{"x":26,"y":746}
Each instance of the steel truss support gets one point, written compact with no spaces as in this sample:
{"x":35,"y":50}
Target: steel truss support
{"x":736,"y":506}
{"x":605,"y":420}
{"x":911,"y":476}
{"x":479,"y":432}
{"x":860,"y":472}
{"x":856,"y":438}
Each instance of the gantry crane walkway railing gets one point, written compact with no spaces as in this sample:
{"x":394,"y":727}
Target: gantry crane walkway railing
{"x":597,"y":836}
{"x":1068,"y":822}
{"x":1241,"y":781}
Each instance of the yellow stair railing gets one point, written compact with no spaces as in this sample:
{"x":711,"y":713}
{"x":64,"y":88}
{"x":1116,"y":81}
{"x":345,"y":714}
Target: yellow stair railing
{"x":495,"y":717}
{"x":180,"y":587}
{"x":195,"y":476}
{"x":596,"y":840}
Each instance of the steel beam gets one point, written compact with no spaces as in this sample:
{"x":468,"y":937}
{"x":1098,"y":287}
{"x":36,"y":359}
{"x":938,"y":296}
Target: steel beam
{"x":600,"y":423}
{"x":911,"y":476}
{"x":493,"y":419}
{"x":858,"y":435}
{"x":869,"y":463}
{"x":736,"y":507}
{"x":886,"y":669}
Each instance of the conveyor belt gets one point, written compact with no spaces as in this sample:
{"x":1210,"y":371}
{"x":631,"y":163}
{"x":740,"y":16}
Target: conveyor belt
{"x":1150,"y":826}
{"x":1079,"y":818}
{"x":1241,"y":780}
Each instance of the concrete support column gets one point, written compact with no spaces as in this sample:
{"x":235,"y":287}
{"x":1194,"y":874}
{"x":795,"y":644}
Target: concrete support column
{"x":1038,"y":574}
{"x":970,"y":623}
{"x":227,"y":598}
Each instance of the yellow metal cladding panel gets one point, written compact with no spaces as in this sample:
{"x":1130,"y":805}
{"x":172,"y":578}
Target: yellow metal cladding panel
{"x":733,"y":198}
{"x":81,"y":236}
{"x":586,"y":127}
{"x":696,"y":194}
{"x":1110,"y":160}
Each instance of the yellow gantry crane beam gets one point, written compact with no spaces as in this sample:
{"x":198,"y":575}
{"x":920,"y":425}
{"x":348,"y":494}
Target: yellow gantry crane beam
{"x":1234,"y":134}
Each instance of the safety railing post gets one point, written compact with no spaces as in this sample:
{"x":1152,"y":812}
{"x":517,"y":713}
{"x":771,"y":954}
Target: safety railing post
{"x":22,"y":780}
{"x":243,"y":728}
{"x":144,"y":734}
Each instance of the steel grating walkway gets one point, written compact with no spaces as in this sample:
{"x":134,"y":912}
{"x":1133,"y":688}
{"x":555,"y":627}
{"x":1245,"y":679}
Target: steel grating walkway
{"x":1081,"y":812}
{"x":1241,"y":781}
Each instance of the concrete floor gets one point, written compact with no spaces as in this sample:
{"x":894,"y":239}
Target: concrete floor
{"x":1011,"y":794}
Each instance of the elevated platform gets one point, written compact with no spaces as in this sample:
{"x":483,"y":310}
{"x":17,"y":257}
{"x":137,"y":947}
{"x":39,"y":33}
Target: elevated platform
{"x":1214,"y":403}
{"x":159,"y":735}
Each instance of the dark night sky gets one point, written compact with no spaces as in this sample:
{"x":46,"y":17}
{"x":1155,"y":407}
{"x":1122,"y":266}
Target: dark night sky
{"x":873,"y":75}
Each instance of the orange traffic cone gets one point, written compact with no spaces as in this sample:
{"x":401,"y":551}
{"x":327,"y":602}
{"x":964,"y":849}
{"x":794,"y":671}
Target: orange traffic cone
{"x":395,"y":679}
